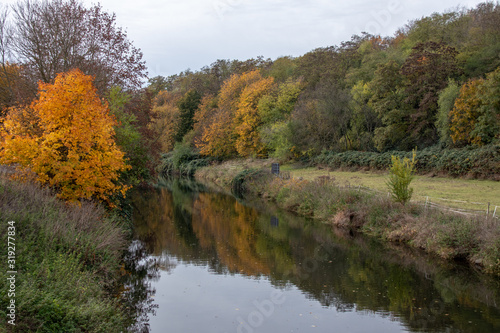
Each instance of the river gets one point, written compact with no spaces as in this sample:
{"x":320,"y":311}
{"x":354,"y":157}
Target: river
{"x":205,"y":261}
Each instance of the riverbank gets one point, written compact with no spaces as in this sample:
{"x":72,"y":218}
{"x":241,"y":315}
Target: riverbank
{"x":451,"y":236}
{"x":454,"y":193}
{"x":64,"y":263}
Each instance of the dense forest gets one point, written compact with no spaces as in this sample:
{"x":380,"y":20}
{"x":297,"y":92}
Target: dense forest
{"x":435,"y":83}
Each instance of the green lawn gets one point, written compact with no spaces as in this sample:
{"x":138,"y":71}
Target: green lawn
{"x":439,"y":190}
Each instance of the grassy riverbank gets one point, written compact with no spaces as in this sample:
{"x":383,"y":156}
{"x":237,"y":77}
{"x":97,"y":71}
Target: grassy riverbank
{"x":67,"y":260}
{"x":471,"y":194}
{"x":451,"y":236}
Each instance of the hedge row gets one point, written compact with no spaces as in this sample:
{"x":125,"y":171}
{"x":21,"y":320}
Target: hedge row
{"x":483,"y":162}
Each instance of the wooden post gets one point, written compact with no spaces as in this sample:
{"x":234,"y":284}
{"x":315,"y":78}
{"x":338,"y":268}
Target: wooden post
{"x":488,"y":211}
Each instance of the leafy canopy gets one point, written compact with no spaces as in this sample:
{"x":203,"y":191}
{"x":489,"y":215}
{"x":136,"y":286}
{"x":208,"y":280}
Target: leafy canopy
{"x":66,"y":138}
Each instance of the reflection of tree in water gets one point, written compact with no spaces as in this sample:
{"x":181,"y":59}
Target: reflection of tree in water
{"x":139,"y":270}
{"x":336,"y":269}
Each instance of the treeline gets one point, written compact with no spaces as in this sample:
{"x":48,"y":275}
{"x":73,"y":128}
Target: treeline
{"x":435,"y":83}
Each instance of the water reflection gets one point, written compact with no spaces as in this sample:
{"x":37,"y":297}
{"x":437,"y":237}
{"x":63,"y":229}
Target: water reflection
{"x":184,"y":223}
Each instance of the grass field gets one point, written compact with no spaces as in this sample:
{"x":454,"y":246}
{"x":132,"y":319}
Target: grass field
{"x":470,"y":194}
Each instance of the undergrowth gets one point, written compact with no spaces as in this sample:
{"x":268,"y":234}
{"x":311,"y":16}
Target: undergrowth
{"x":483,"y":162}
{"x":67,"y":259}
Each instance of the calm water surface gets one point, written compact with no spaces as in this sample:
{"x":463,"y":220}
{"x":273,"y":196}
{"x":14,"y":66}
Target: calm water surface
{"x":204,"y":261}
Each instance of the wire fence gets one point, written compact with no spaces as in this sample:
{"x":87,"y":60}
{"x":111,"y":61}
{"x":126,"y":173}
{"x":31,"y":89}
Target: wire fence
{"x":455,"y":206}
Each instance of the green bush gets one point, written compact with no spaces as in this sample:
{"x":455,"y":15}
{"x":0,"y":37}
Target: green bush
{"x":240,"y":181}
{"x":401,"y":174}
{"x":182,"y":161}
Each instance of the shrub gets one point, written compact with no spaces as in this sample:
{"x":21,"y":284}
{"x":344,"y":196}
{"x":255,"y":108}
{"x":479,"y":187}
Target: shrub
{"x":182,"y":160}
{"x":400,"y":177}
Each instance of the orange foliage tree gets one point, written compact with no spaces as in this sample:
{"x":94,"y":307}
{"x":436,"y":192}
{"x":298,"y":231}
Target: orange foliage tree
{"x":236,"y":117}
{"x":247,"y":120}
{"x":463,"y":116}
{"x":66,"y":138}
{"x":167,"y":118}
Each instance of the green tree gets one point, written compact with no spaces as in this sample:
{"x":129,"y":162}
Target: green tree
{"x":488,"y":123}
{"x":158,"y":84}
{"x":134,"y":132}
{"x":187,"y":105}
{"x":278,"y":106}
{"x":278,"y":139}
{"x":446,"y":102}
{"x":321,"y":119}
{"x":388,"y":102}
{"x":364,"y":119}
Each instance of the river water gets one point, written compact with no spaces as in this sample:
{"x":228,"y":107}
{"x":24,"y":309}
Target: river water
{"x":205,"y":261}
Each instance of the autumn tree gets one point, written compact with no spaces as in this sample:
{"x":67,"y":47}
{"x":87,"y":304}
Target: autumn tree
{"x":219,"y":137}
{"x":166,"y":120}
{"x":427,"y":70}
{"x":465,"y":112}
{"x":66,"y":138}
{"x":475,"y":117}
{"x":203,"y":118}
{"x":56,"y":36}
{"x":247,"y":120}
{"x":321,"y":119}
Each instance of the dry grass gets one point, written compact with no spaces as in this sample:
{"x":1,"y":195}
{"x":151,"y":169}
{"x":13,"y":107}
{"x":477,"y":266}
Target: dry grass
{"x":67,"y":258}
{"x":70,"y":226}
{"x":443,"y":191}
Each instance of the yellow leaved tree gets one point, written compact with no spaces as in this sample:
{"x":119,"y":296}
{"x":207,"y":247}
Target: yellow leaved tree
{"x":234,"y":122}
{"x":66,"y":138}
{"x":247,"y":120}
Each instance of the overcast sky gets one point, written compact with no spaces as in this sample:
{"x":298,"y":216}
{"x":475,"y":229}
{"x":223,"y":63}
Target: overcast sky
{"x":178,"y":34}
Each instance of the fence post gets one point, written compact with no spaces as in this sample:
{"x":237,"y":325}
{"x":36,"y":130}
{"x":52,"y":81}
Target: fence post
{"x":426,"y":200}
{"x":488,"y":210}
{"x":495,"y":211}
